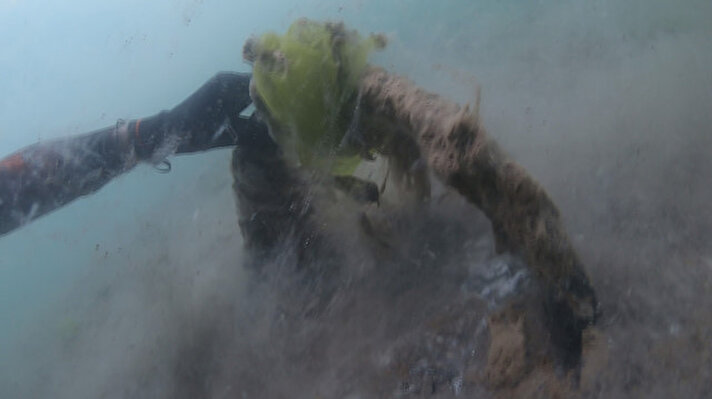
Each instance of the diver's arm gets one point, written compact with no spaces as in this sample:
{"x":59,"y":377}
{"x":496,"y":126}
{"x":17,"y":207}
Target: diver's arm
{"x":45,"y":176}
{"x":209,"y":118}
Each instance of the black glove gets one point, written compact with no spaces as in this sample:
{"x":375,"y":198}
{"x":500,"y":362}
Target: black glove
{"x":209,"y":118}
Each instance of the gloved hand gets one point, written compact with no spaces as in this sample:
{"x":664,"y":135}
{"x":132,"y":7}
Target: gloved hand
{"x":209,"y":118}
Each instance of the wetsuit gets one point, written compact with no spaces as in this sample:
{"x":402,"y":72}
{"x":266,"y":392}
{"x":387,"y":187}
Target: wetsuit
{"x":45,"y":176}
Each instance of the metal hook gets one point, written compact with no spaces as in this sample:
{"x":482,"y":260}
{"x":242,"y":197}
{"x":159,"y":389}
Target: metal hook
{"x":163,"y":167}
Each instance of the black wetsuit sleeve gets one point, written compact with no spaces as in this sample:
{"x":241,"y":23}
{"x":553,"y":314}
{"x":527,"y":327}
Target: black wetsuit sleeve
{"x":48,"y":175}
{"x":45,"y":176}
{"x":209,"y":118}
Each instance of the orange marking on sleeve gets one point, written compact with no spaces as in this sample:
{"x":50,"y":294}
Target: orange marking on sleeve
{"x":13,"y":162}
{"x":138,"y":123}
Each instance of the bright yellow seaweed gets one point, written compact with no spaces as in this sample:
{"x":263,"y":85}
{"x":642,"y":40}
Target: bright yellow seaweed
{"x":308,"y":80}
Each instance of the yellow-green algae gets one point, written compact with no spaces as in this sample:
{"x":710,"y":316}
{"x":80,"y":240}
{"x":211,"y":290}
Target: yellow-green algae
{"x":308,"y":80}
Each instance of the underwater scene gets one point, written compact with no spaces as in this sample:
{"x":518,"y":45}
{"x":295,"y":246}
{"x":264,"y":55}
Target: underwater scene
{"x":355,"y":199}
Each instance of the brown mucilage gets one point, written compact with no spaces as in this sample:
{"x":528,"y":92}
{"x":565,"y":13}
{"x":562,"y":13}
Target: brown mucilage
{"x":408,"y":126}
